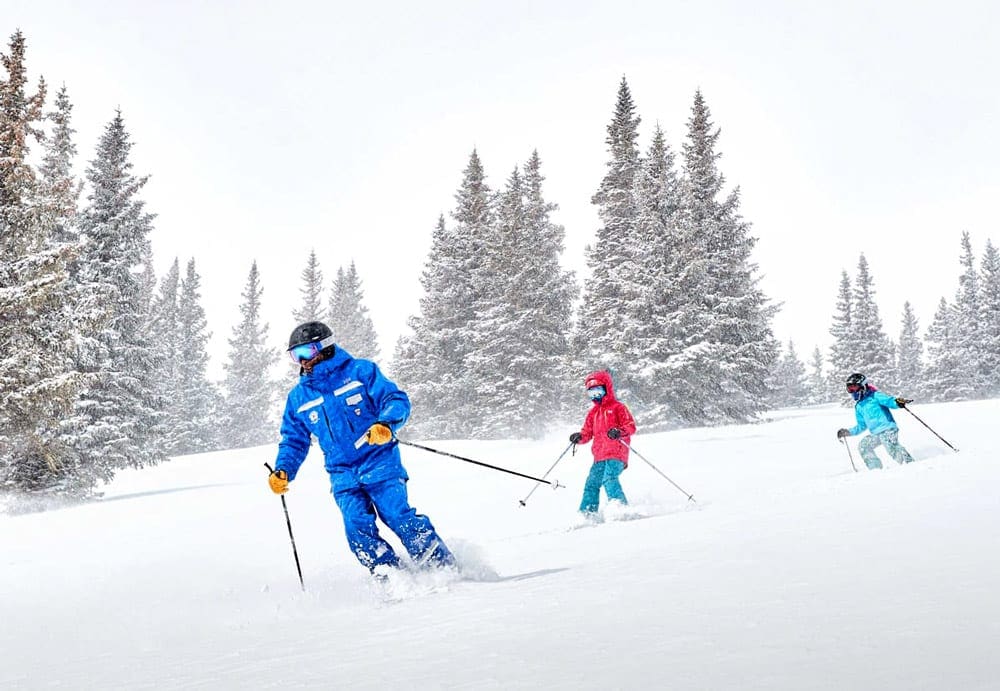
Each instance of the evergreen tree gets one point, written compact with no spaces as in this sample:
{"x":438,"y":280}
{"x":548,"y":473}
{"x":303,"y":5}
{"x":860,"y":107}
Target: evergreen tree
{"x":522,"y":318}
{"x":909,"y":365}
{"x":494,"y":292}
{"x":196,"y":399}
{"x":610,"y":292}
{"x":431,"y":362}
{"x":121,"y":407}
{"x":968,"y":314}
{"x":311,"y":309}
{"x":729,"y":348}
{"x":789,"y":383}
{"x":500,"y":318}
{"x":819,"y":384}
{"x":166,"y":337}
{"x":546,"y":292}
{"x":655,"y":334}
{"x":349,"y":319}
{"x":423,"y":357}
{"x":989,"y":320}
{"x":61,"y":187}
{"x":843,"y":357}
{"x":874,"y":353}
{"x":250,"y":391}
{"x":944,"y":376}
{"x":37,"y":378}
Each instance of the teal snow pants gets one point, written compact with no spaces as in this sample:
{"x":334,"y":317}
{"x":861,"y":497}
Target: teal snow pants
{"x":890,"y":440}
{"x":602,"y":474}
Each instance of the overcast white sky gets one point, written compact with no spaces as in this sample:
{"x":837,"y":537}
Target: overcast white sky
{"x":273,"y":128}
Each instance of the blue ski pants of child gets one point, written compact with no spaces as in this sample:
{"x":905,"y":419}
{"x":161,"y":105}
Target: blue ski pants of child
{"x":388,"y":501}
{"x":602,"y":474}
{"x":890,"y":440}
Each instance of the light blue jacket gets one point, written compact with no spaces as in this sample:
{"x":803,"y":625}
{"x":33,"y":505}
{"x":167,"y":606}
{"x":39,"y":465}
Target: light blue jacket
{"x":872,"y":413}
{"x":336,"y":403}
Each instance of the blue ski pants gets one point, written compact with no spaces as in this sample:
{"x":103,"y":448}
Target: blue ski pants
{"x":388,"y":501}
{"x":602,"y":474}
{"x":890,"y":440}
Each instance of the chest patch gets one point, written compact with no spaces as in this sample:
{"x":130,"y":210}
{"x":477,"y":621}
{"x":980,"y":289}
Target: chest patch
{"x":313,"y":416}
{"x":354,"y":400}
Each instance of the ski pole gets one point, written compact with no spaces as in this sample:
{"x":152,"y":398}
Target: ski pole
{"x":932,"y":431}
{"x":523,"y":502}
{"x":554,"y":483}
{"x":689,"y":496}
{"x":848,"y":447}
{"x":295,"y":552}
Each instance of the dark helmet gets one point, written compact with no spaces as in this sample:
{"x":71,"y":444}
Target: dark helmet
{"x":857,"y":380}
{"x":310,"y":340}
{"x":857,"y":386}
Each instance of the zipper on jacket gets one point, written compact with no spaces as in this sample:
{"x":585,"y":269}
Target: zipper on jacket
{"x":329,"y":427}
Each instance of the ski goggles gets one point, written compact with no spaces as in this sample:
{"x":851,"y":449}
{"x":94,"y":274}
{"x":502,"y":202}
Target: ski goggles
{"x":854,"y":388}
{"x":596,"y":392}
{"x":307,"y":351}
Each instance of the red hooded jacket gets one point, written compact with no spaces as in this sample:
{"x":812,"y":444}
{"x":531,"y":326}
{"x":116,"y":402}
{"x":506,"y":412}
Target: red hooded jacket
{"x":607,"y":413}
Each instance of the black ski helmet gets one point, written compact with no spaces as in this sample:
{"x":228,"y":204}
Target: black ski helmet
{"x":857,"y":379}
{"x":311,"y":332}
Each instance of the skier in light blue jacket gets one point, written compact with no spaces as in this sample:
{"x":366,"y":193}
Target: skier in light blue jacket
{"x":353,"y":411}
{"x":872,"y":411}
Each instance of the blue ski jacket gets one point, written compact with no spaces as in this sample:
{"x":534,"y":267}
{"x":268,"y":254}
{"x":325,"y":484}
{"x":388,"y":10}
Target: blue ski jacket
{"x":872,"y":413}
{"x":336,"y":403}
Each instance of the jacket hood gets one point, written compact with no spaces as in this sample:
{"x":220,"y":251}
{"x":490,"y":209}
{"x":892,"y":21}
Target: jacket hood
{"x":601,"y":378}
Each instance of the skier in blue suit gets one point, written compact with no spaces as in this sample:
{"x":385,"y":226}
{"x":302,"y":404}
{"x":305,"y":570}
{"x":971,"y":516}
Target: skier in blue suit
{"x":353,"y":411}
{"x":872,"y":412}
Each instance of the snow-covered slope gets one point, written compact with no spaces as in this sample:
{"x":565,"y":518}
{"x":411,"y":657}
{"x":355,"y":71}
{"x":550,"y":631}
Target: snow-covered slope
{"x":789,"y":571}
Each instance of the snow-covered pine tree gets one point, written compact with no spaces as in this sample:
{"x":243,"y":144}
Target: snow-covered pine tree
{"x":909,"y":356}
{"x":523,"y":317}
{"x":121,"y":408}
{"x":968,"y":314}
{"x":819,"y":383}
{"x":548,"y":291}
{"x":166,"y":339}
{"x":654,"y":337}
{"x":989,"y":320}
{"x":422,"y":357}
{"x":499,"y":371}
{"x":729,"y":346}
{"x":61,"y":188}
{"x":875,"y":353}
{"x":247,"y":417}
{"x":37,"y":378}
{"x":349,"y":319}
{"x":197,"y":399}
{"x":610,"y":292}
{"x":789,"y":384}
{"x":430,"y":362}
{"x":944,"y":378}
{"x":311,"y":306}
{"x":843,"y":357}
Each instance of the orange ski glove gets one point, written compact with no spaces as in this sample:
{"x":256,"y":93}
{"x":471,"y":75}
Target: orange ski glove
{"x":278,"y":481}
{"x":379,"y":433}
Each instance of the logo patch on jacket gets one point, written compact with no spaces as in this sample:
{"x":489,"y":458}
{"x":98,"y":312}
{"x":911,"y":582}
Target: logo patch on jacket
{"x":313,"y":416}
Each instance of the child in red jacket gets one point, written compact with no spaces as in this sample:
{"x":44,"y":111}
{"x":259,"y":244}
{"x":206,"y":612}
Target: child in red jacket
{"x":609,"y":423}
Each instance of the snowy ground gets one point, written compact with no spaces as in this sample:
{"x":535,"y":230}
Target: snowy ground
{"x":790,"y":572}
